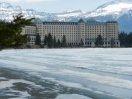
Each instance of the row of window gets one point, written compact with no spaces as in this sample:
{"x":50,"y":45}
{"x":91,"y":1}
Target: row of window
{"x":58,"y":23}
{"x":103,"y":43}
{"x":96,"y":31}
{"x":57,"y":26}
{"x":30,"y":31}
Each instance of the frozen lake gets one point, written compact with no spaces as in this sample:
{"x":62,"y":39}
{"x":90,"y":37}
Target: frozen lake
{"x":66,"y":74}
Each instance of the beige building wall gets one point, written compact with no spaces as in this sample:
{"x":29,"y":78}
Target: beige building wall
{"x":75,"y":31}
{"x":29,"y":30}
{"x":92,"y":31}
{"x":58,"y":29}
{"x":112,"y":30}
{"x":81,"y":32}
{"x":39,"y":29}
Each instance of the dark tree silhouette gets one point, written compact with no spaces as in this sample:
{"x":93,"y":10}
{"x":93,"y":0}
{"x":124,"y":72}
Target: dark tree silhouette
{"x":10,"y":32}
{"x":99,"y":41}
{"x":38,"y":40}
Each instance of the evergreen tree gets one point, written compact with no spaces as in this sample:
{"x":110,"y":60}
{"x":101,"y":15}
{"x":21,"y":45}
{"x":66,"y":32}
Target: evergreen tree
{"x":55,"y":45}
{"x":81,"y":42}
{"x":38,"y":40}
{"x":28,"y":39}
{"x":129,"y":39}
{"x":123,"y":38}
{"x":64,"y":41}
{"x":112,"y":42}
{"x":59,"y":44}
{"x":10,"y":32}
{"x":50,"y":40}
{"x":45,"y":40}
{"x":99,"y":41}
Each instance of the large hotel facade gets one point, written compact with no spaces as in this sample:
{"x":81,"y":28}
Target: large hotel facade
{"x":75,"y":32}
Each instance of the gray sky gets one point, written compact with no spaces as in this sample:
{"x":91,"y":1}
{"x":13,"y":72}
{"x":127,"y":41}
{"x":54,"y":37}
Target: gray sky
{"x":57,"y":5}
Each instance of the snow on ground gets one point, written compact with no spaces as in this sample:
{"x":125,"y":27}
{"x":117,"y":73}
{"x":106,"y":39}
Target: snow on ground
{"x":99,"y":71}
{"x":72,"y":96}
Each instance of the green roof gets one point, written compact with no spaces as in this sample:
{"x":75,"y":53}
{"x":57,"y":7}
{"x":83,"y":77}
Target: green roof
{"x":81,"y":21}
{"x":91,"y":21}
{"x":37,"y":20}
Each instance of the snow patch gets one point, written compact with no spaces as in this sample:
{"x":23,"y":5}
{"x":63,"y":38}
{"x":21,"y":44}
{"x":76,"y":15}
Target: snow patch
{"x":71,"y":96}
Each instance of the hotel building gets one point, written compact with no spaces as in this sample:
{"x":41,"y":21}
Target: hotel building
{"x":75,"y":32}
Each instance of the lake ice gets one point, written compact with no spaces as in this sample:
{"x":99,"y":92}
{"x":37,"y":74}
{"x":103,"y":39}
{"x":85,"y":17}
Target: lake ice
{"x":85,"y":73}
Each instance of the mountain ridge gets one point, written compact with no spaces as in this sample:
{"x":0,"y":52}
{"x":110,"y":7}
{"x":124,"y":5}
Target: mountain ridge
{"x":119,"y":10}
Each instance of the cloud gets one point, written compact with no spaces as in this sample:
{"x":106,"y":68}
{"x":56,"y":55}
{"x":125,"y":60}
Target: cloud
{"x":29,"y":0}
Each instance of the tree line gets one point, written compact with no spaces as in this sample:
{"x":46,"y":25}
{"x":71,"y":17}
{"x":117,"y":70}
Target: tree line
{"x":100,"y":41}
{"x":51,"y":42}
{"x":125,"y":39}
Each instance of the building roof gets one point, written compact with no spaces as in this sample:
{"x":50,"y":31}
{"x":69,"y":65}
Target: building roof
{"x":81,"y":21}
{"x":37,"y":20}
{"x":91,"y":21}
{"x":112,"y":21}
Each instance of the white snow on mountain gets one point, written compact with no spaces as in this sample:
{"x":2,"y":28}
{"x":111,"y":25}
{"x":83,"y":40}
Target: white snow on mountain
{"x":115,"y":8}
{"x":71,"y":10}
{"x":120,"y":10}
{"x":7,"y":11}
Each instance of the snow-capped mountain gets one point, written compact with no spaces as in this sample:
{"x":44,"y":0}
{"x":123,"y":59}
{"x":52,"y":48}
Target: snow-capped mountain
{"x":7,"y":11}
{"x":69,"y":15}
{"x":120,"y":10}
{"x":115,"y":8}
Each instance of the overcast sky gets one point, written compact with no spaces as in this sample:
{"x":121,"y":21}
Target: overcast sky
{"x":57,"y":5}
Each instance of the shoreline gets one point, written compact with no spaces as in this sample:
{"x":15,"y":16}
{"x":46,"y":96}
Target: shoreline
{"x":58,"y":48}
